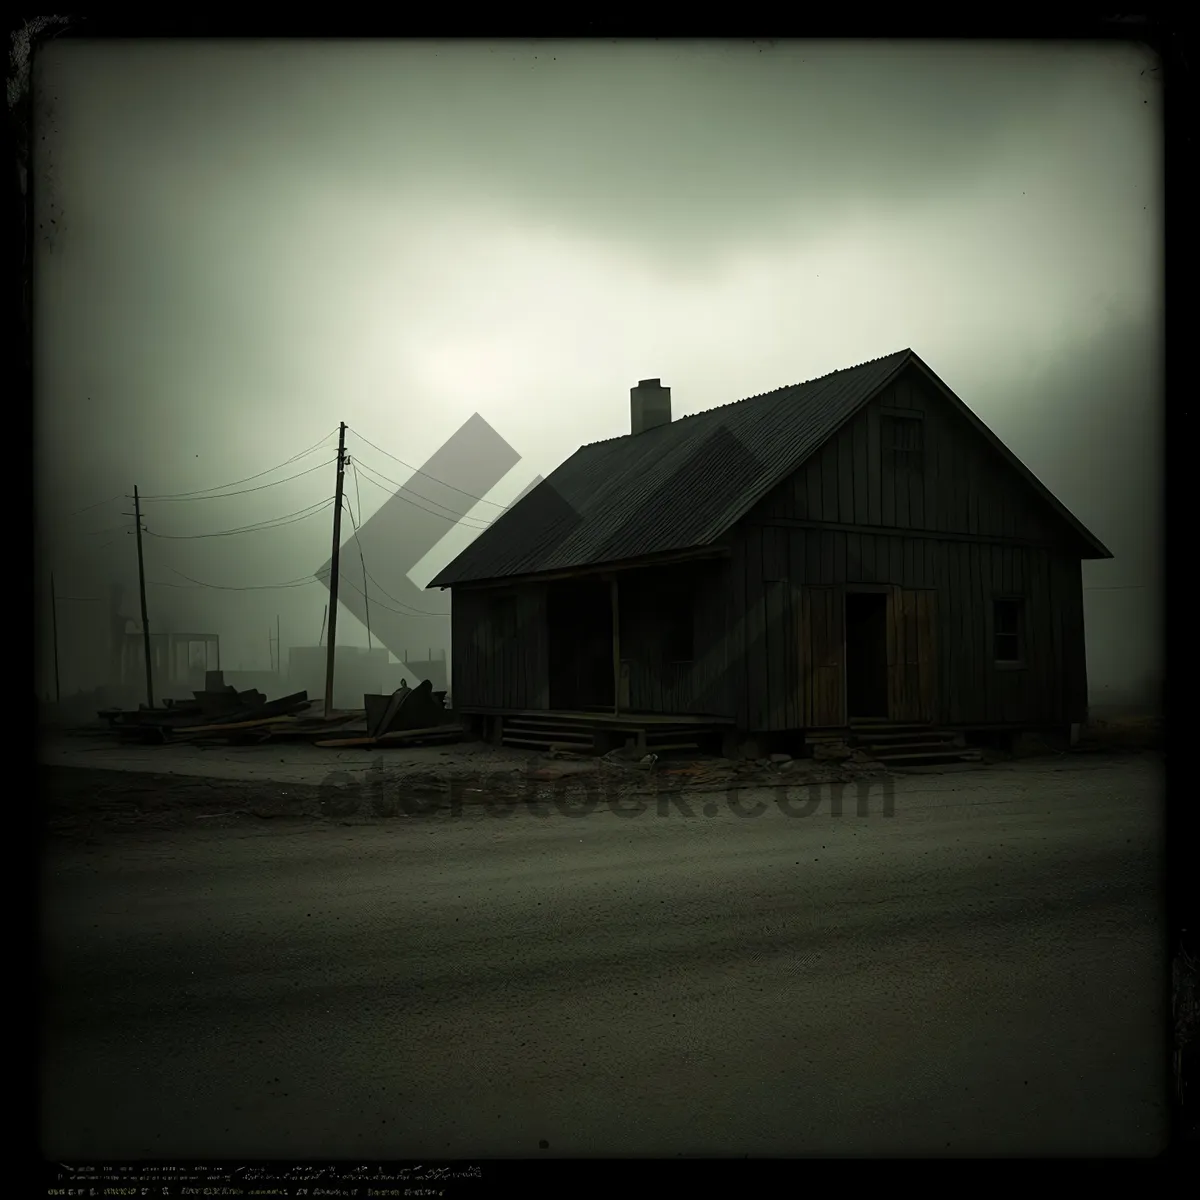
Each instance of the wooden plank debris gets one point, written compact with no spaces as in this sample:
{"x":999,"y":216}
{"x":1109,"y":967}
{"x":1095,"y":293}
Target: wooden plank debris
{"x":221,"y":713}
{"x":219,"y":709}
{"x":397,"y":737}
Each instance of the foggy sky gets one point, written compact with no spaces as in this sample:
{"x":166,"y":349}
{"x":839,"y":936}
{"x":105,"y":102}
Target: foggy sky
{"x":243,"y":245}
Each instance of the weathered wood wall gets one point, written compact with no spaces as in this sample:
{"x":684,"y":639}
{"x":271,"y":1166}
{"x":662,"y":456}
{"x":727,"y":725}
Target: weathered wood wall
{"x":768,"y":620}
{"x":496,"y":667}
{"x":966,"y":487}
{"x":773,"y":566}
{"x":493,"y":670}
{"x":701,"y":686}
{"x":963,"y":531}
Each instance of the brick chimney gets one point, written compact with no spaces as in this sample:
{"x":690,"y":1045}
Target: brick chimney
{"x":649,"y":405}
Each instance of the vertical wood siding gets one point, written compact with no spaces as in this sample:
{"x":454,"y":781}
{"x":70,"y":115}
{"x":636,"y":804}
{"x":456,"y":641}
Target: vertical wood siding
{"x":941,"y":598}
{"x":698,"y":687}
{"x":998,"y":538}
{"x":768,"y":621}
{"x":495,"y":667}
{"x":965,"y":486}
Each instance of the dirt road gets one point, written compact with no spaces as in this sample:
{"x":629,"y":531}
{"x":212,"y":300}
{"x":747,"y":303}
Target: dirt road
{"x":978,"y":973}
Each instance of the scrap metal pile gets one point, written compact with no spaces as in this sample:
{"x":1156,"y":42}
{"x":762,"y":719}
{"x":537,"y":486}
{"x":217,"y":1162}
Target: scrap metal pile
{"x":220,"y":713}
{"x":408,"y":716}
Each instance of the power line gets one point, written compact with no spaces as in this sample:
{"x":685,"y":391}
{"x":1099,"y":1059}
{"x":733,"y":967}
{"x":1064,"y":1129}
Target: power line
{"x":417,"y":471}
{"x":274,"y":523}
{"x":257,"y":527}
{"x":456,"y":518}
{"x":109,"y":529}
{"x":450,"y":514}
{"x":243,"y":491}
{"x":411,"y":610}
{"x":416,"y":612}
{"x":200,"y":493}
{"x":357,"y":492}
{"x":98,"y":504}
{"x":361,"y":559}
{"x":1118,"y":587}
{"x":303,"y":581}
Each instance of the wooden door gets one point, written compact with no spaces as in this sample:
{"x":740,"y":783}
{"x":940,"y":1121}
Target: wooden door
{"x":912,"y":654}
{"x":821,"y":640}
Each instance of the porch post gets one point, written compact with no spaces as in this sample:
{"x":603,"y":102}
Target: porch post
{"x":616,"y":640}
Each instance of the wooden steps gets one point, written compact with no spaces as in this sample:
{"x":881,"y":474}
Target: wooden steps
{"x":541,"y":733}
{"x":909,"y":745}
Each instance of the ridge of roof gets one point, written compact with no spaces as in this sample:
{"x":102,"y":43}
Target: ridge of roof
{"x":787,"y":387}
{"x":682,"y":484}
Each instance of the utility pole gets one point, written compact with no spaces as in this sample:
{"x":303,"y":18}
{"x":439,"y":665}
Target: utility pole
{"x":54,"y":630}
{"x":278,"y":650}
{"x":137,"y":520}
{"x":366,"y":606}
{"x":333,"y":567}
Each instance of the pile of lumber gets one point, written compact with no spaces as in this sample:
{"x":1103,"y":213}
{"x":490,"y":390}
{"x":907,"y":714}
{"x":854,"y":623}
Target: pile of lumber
{"x":410,"y":716}
{"x":219,"y":709}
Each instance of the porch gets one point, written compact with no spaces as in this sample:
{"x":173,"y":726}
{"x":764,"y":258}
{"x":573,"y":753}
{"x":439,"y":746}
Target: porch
{"x":637,"y":648}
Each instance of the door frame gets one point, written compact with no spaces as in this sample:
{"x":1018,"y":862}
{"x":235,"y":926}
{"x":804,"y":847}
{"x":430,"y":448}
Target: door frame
{"x":863,"y":589}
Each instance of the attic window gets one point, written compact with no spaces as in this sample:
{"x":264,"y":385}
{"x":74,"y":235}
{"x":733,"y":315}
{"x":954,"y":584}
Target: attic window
{"x":903,"y":441}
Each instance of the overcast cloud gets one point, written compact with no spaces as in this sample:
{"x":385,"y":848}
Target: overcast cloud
{"x":245,"y":244}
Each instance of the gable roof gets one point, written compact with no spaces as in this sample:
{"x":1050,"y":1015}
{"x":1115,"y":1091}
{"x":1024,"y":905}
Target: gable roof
{"x":682,"y":485}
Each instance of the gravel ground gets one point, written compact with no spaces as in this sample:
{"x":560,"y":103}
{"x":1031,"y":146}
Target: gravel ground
{"x":979,"y":973}
{"x":93,"y":803}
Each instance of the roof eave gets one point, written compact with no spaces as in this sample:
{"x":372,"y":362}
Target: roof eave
{"x":712,"y":547}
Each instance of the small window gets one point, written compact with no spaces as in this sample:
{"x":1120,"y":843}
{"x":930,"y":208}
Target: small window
{"x":1008,"y":627}
{"x":904,"y":442}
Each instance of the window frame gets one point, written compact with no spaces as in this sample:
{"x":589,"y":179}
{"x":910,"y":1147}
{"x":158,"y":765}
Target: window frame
{"x":906,"y":454}
{"x":1016,"y":634}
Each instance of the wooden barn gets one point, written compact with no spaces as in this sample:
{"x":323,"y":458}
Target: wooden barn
{"x":855,"y":551}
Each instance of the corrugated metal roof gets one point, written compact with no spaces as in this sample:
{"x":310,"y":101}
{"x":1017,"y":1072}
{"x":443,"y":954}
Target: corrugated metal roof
{"x":680,"y":485}
{"x":674,"y":487}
